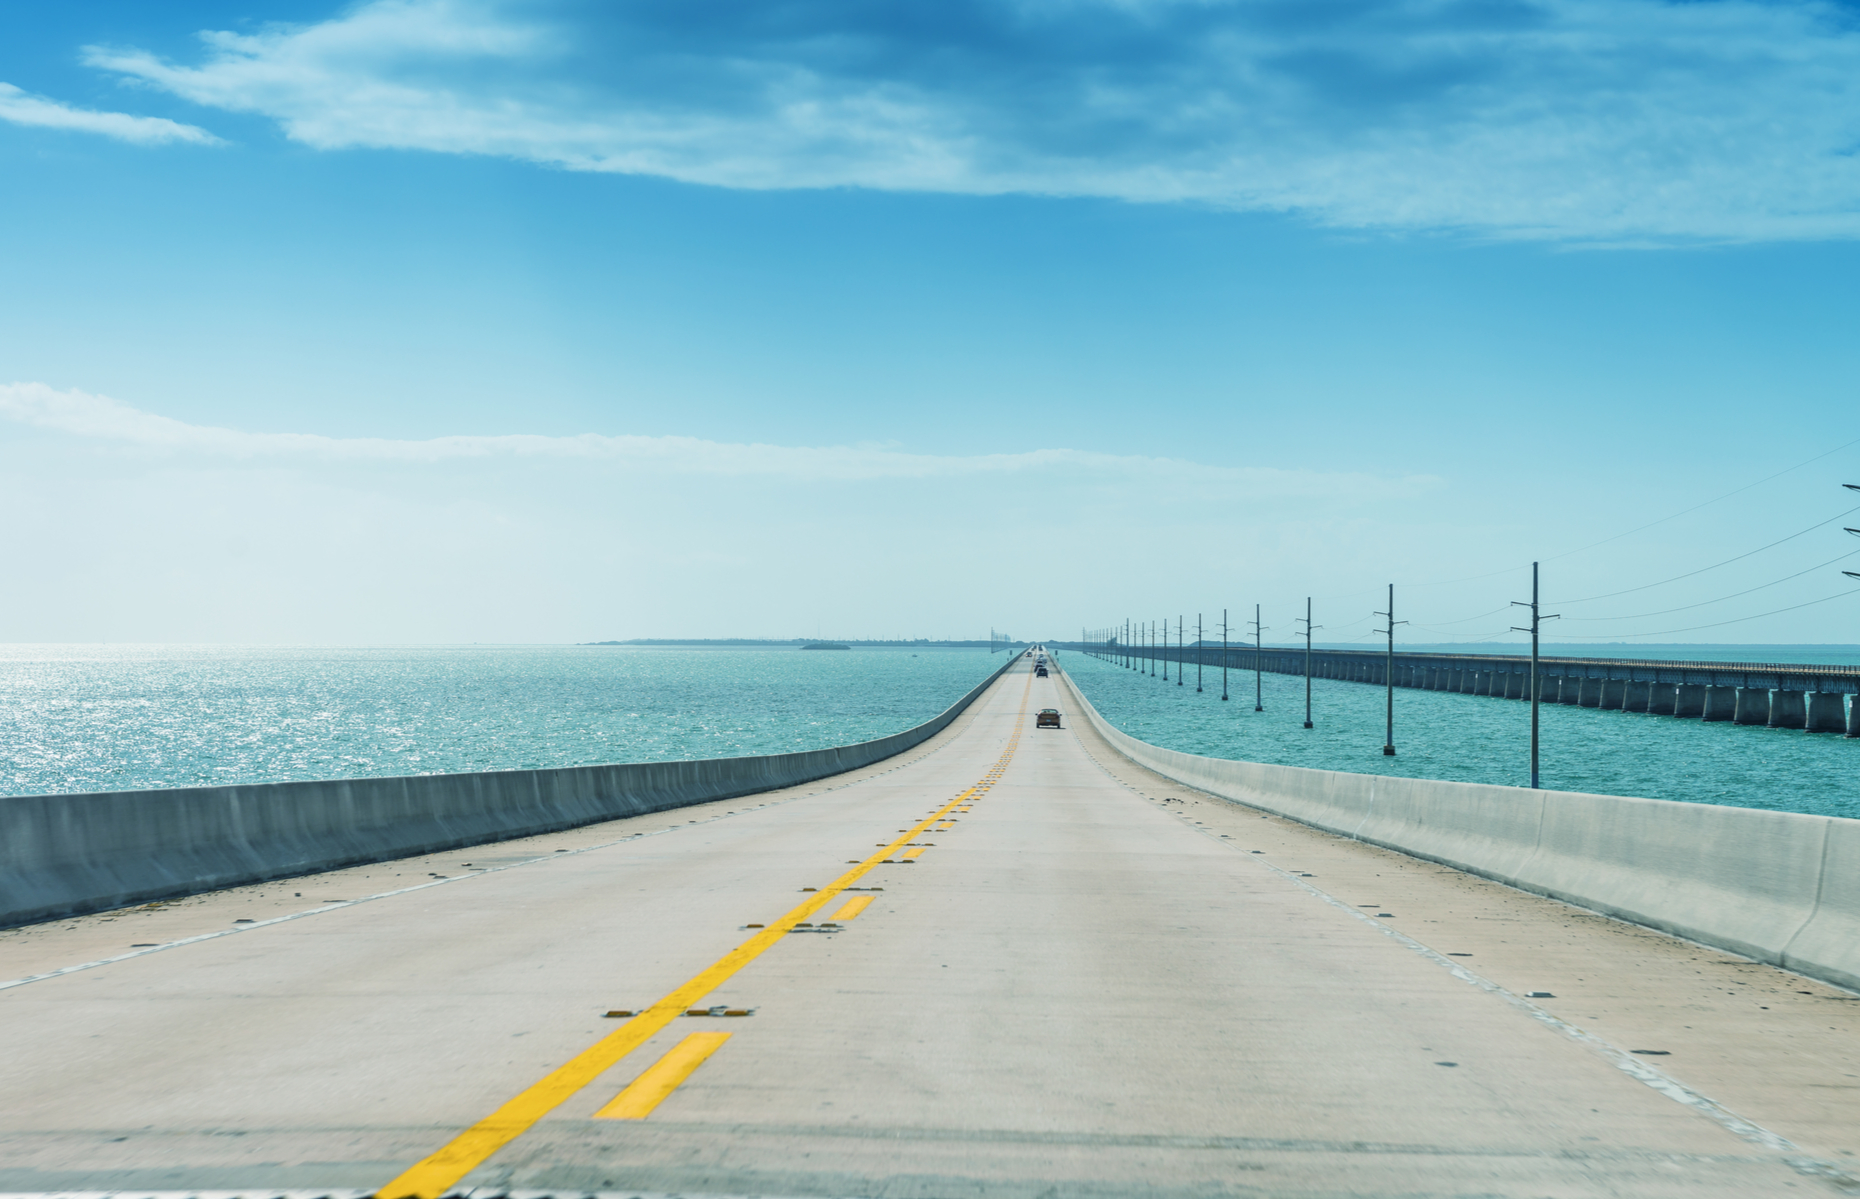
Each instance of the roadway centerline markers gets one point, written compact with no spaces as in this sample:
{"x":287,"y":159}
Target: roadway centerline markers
{"x":852,"y":908}
{"x":432,"y":1175}
{"x":637,"y":1100}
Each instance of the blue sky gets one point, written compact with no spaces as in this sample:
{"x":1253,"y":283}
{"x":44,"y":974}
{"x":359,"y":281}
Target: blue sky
{"x":449,"y":321}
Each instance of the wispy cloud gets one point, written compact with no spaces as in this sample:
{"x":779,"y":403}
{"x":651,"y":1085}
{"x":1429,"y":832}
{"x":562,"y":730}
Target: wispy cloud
{"x":21,"y":108}
{"x":1565,"y":119}
{"x":102,"y":418}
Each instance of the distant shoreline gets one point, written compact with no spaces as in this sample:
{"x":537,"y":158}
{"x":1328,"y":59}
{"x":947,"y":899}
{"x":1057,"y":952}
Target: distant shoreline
{"x":851,"y":643}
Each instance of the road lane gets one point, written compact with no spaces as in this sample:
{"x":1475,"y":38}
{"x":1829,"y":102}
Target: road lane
{"x":1075,"y":989}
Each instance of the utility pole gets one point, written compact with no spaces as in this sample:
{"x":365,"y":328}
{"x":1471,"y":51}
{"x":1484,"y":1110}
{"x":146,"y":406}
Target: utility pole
{"x":1223,"y":654}
{"x":1537,"y":618}
{"x":1198,"y":652}
{"x":1152,"y":653}
{"x":1308,"y":628}
{"x":1179,"y":651}
{"x":1388,"y":671}
{"x":1259,"y":703}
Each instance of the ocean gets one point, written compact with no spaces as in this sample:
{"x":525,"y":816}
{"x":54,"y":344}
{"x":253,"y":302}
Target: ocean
{"x":110,"y":718}
{"x":1478,"y":739}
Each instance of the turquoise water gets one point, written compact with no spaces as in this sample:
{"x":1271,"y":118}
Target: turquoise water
{"x":1477,"y":739}
{"x":107,"y":718}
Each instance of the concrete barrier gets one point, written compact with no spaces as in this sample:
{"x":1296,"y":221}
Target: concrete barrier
{"x":61,"y":855}
{"x":1782,"y":888}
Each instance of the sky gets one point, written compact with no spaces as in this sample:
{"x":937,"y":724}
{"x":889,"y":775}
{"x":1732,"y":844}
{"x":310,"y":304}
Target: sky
{"x":439,"y":321}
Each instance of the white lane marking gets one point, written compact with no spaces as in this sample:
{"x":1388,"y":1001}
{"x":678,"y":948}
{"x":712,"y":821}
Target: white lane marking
{"x":552,"y":856}
{"x":1620,"y":1059}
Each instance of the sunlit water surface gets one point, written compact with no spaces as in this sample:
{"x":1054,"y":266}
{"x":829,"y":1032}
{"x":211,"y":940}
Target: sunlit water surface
{"x":107,"y":718}
{"x":1478,"y":739}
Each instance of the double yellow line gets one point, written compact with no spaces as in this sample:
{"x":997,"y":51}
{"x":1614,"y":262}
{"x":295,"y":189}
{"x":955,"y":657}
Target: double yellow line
{"x":432,"y":1175}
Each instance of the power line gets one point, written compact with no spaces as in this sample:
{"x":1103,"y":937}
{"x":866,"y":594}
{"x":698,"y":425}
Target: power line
{"x":1727,"y":562}
{"x":1713,"y":625}
{"x":1682,"y":512}
{"x":1734,"y":595}
{"x":1627,"y":533}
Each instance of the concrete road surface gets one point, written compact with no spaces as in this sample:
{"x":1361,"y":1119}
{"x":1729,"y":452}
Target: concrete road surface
{"x":1043,"y":971}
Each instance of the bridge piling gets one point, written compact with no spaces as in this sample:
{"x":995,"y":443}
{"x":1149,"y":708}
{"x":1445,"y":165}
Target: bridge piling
{"x":1662,"y":699}
{"x":1827,"y":712}
{"x":1720,"y":704}
{"x":1614,"y":694}
{"x":1753,"y":707}
{"x":1788,"y":710}
{"x":1635,"y":694}
{"x":1689,"y":700}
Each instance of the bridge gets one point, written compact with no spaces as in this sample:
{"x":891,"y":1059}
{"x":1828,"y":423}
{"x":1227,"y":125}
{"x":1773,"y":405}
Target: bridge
{"x":1003,"y":961}
{"x":1807,"y":696}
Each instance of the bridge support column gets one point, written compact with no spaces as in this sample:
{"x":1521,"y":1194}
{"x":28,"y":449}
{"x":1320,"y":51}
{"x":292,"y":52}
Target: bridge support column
{"x":1589,"y":692}
{"x":1827,"y":712}
{"x":1614,"y":694}
{"x":1720,"y":704}
{"x":1568,"y":689}
{"x":1634,"y":695}
{"x":1788,"y":710}
{"x":1469,"y":682}
{"x":1662,"y":698}
{"x":1753,"y":707}
{"x":1853,"y":718}
{"x":1689,"y":700}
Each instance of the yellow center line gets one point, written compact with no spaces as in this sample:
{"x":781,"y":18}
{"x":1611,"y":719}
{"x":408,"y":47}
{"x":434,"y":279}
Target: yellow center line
{"x":432,"y":1175}
{"x":637,"y":1100}
{"x":852,"y":908}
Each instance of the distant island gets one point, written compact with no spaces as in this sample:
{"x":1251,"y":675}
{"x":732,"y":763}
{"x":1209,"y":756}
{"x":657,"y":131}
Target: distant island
{"x":815,"y":644}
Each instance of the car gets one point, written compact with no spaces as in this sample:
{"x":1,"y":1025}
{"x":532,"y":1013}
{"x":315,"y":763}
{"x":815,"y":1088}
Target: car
{"x":1040,"y":672}
{"x":1048,"y":719}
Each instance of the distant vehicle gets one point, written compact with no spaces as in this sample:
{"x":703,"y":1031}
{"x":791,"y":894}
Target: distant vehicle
{"x":1040,"y":672}
{"x":1048,"y":719}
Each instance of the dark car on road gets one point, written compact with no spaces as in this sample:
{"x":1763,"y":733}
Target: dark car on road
{"x":1048,"y":719}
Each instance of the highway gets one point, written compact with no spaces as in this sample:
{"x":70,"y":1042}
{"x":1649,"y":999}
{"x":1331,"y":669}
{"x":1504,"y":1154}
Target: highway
{"x":1028,"y":967}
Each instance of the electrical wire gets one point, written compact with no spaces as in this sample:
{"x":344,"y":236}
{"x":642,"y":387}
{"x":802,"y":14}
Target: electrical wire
{"x":1682,"y":512}
{"x":1617,"y":537}
{"x":1734,"y":595}
{"x":1483,"y":615}
{"x":1690,"y":628}
{"x":1727,"y":562}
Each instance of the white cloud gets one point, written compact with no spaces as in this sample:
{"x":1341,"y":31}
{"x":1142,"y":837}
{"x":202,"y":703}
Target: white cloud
{"x":104,"y":419}
{"x":23,"y":109}
{"x":1569,"y":119}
